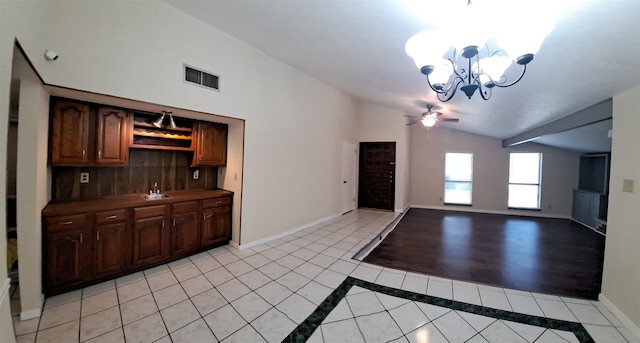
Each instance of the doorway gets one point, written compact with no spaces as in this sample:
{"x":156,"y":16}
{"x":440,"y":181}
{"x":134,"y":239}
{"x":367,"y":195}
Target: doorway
{"x":348,"y":190}
{"x":377,"y":175}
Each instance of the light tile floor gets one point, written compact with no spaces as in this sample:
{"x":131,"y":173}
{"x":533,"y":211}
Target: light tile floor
{"x":264,"y":293}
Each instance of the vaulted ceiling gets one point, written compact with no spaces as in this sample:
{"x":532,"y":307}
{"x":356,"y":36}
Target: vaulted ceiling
{"x":357,"y":46}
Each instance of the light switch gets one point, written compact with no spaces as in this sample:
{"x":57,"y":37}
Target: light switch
{"x":196,"y":174}
{"x":627,"y":186}
{"x":84,"y":177}
{"x":235,"y":176}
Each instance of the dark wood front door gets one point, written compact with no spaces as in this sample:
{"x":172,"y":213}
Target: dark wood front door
{"x":377,"y":175}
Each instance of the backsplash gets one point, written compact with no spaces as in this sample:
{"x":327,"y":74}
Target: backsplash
{"x":170,"y":169}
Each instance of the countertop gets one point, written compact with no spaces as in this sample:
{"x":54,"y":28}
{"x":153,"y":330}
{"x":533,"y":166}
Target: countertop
{"x":129,"y":200}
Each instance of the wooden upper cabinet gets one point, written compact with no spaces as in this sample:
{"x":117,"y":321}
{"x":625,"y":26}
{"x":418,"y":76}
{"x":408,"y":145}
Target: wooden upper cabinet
{"x":211,"y":145}
{"x":112,"y":146}
{"x":69,"y":134}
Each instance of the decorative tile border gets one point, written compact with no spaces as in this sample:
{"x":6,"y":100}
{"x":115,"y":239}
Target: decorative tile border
{"x":306,"y":328}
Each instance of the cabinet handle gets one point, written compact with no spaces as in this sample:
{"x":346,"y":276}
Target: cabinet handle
{"x":97,"y":235}
{"x":163,"y":223}
{"x":218,"y":202}
{"x":113,"y":216}
{"x":67,"y":223}
{"x":80,"y":238}
{"x":174,"y":222}
{"x":200,"y":157}
{"x":99,"y":154}
{"x":208,"y":216}
{"x":84,"y":152}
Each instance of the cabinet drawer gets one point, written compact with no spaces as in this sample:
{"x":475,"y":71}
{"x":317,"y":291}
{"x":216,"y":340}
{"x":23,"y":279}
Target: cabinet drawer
{"x":148,"y":212}
{"x":76,"y":221}
{"x":216,"y":202}
{"x":184,"y":207}
{"x":112,"y":216}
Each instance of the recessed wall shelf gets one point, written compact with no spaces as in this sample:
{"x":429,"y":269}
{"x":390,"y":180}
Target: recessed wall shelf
{"x":148,"y":136}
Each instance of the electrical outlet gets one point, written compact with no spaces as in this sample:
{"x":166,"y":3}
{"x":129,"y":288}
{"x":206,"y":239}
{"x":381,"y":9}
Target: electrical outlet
{"x":196,"y":174}
{"x":84,"y":177}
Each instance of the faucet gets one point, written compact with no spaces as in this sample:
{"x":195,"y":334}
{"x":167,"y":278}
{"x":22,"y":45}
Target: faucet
{"x":155,"y":190}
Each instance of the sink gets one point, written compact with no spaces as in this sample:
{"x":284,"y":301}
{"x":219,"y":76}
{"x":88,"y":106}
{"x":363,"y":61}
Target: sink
{"x":154,"y":196}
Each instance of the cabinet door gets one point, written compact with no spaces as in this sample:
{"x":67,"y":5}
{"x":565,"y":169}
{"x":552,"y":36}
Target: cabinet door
{"x":211,"y":145}
{"x":69,"y":134}
{"x":216,"y":225}
{"x":150,"y":240}
{"x":67,"y":258}
{"x":111,"y":249}
{"x":112,"y":146}
{"x":185,"y":236}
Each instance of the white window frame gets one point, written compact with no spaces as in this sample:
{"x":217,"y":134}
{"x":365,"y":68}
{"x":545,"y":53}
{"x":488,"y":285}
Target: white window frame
{"x":470,"y":181}
{"x":538,"y":184}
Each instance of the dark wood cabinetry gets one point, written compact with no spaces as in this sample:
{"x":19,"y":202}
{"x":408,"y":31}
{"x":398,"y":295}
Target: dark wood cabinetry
{"x":216,"y":219}
{"x":67,"y":251}
{"x":112,"y":146}
{"x":72,"y":125}
{"x":185,"y":233}
{"x":87,"y":242}
{"x":211,"y":145}
{"x":150,"y":235}
{"x":112,"y":242}
{"x":69,"y":134}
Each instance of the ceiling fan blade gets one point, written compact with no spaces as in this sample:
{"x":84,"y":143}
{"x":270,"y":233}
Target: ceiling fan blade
{"x":439,"y":113}
{"x":417,"y":121}
{"x":453,"y":120}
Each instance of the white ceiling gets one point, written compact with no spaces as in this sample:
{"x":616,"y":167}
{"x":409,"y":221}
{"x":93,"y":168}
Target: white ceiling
{"x":357,"y":46}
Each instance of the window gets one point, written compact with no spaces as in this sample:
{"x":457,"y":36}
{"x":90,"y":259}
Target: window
{"x":524,"y":180}
{"x":458,"y":169}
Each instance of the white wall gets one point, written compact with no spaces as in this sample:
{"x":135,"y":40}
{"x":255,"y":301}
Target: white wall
{"x":621,"y":274}
{"x":381,"y":124}
{"x":490,"y":171}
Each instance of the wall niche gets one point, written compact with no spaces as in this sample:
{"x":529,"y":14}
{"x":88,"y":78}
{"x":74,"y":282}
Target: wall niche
{"x":170,"y":169}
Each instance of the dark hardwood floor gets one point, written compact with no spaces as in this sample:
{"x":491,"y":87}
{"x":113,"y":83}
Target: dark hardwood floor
{"x":552,"y":256}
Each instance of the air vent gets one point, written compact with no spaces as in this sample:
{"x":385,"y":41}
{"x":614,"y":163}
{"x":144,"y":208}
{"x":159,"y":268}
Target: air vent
{"x":200,"y":77}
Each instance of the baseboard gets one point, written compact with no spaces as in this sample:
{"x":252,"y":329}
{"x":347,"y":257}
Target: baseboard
{"x":235,"y":245}
{"x":33,"y":313}
{"x":283,"y":234}
{"x":508,"y":213}
{"x":620,"y":315}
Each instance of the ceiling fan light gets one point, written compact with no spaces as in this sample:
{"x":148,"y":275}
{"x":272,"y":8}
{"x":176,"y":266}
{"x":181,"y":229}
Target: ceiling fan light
{"x":428,"y":121}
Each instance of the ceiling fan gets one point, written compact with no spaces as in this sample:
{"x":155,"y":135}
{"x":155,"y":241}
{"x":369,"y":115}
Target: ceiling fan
{"x":430,"y":118}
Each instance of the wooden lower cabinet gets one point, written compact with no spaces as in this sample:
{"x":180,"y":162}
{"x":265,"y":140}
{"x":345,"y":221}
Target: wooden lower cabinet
{"x":67,"y":258}
{"x":111,"y":249}
{"x":150,"y":235}
{"x":80,"y":249}
{"x":185,"y":233}
{"x":216,"y":225}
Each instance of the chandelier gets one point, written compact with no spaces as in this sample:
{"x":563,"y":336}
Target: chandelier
{"x":462,"y":59}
